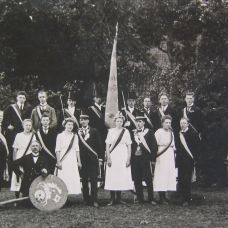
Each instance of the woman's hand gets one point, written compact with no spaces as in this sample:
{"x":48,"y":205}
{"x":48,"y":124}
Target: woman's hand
{"x":128,"y":163}
{"x":109,"y":162}
{"x":59,"y":165}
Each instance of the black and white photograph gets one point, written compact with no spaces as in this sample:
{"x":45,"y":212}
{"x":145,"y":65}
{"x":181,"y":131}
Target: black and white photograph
{"x":113,"y":113}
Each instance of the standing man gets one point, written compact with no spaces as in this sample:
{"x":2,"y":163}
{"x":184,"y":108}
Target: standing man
{"x":96,"y":113}
{"x":47,"y":138}
{"x":187,"y":155}
{"x":13,"y":117}
{"x":71,"y":111}
{"x":147,"y":113}
{"x":91,"y":154}
{"x":194,"y":114}
{"x":164,"y":109}
{"x":144,"y":150}
{"x":38,"y":111}
{"x":130,"y":112}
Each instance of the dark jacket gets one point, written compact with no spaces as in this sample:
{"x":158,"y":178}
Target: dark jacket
{"x":143,"y":112}
{"x":31,"y":170}
{"x":193,"y":142}
{"x":135,"y":113}
{"x":196,"y":118}
{"x":88,"y":159}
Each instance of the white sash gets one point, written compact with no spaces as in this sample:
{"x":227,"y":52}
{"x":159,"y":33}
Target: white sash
{"x":39,"y":112}
{"x":161,"y":112}
{"x":87,"y":145}
{"x":98,"y":113}
{"x":183,"y":141}
{"x":16,"y":110}
{"x":132,"y":118}
{"x":72,"y":116}
{"x":148,"y":120}
{"x":143,"y":141}
{"x":43,"y":145}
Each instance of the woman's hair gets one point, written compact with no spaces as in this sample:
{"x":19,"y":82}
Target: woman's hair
{"x":67,"y":120}
{"x":26,"y":120}
{"x":166,"y":117}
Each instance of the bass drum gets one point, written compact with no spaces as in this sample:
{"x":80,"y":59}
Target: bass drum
{"x":48,"y":193}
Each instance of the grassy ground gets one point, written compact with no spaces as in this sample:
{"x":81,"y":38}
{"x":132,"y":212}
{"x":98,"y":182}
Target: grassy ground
{"x":211,"y":212}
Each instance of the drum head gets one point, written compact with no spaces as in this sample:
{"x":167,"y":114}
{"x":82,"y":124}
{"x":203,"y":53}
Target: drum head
{"x":48,"y":193}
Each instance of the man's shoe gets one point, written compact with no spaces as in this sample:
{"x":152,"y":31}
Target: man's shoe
{"x":111,"y":203}
{"x":154,"y":203}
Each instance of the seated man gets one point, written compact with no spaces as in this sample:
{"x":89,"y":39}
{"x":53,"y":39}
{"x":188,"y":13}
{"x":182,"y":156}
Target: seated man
{"x":33,"y":166}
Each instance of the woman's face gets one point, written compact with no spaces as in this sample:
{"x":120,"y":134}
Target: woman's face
{"x":119,"y":122}
{"x":69,"y":126}
{"x":27,"y":126}
{"x":166,"y":124}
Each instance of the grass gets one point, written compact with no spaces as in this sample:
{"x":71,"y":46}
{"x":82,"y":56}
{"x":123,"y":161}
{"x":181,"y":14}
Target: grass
{"x":209,"y":213}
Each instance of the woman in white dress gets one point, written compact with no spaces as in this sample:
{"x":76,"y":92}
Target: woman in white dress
{"x":165,"y":172}
{"x":21,"y":148}
{"x":118,"y":150}
{"x":68,"y":158}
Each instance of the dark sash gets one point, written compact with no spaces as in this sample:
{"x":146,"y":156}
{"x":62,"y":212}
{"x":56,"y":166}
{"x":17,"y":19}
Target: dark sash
{"x":26,"y":150}
{"x":165,"y":149}
{"x":68,"y":149}
{"x":117,"y":141}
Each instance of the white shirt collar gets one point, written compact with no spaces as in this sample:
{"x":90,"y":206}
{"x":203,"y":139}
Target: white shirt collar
{"x":99,"y":106}
{"x":19,"y":105}
{"x":131,"y":109}
{"x":43,"y":105}
{"x":163,"y":108}
{"x":184,"y":130}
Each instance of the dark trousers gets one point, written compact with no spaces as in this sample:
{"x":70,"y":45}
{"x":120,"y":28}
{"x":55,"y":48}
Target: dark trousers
{"x":1,"y":177}
{"x":89,"y":197}
{"x":142,"y":172}
{"x":185,"y":179}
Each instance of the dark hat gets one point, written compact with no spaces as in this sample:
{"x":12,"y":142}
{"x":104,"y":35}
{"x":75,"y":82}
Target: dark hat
{"x":137,"y":118}
{"x":131,"y":95}
{"x":72,"y":96}
{"x":84,"y":115}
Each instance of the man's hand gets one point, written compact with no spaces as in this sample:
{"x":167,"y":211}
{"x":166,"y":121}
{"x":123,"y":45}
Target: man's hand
{"x":10,"y":127}
{"x":59,"y":165}
{"x":127,"y":124}
{"x":109,"y":162}
{"x":44,"y":172}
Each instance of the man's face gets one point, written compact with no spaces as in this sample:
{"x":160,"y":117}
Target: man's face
{"x":21,"y":99}
{"x":42,"y":97}
{"x":131,"y":103}
{"x":71,"y":102}
{"x":189,"y":99}
{"x":35,"y":147}
{"x":147,"y":102}
{"x":97,"y":100}
{"x":184,"y":124}
{"x":140,"y":124}
{"x":84,"y":122}
{"x":164,"y":100}
{"x":45,"y":121}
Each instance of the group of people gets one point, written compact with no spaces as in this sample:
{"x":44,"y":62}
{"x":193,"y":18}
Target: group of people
{"x":153,"y":148}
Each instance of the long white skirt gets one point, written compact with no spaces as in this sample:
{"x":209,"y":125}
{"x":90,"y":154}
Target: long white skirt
{"x":69,"y":173}
{"x":165,"y":172}
{"x":118,"y":176}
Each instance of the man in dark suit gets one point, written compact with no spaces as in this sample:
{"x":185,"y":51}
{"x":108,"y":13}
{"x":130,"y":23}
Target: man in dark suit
{"x":13,"y":117}
{"x":164,"y":109}
{"x":144,"y":150}
{"x":47,"y":138}
{"x":194,"y":114}
{"x":38,"y":111}
{"x":71,"y":111}
{"x":91,"y":154}
{"x":148,"y":113}
{"x":131,"y":112}
{"x":187,"y":155}
{"x":96,"y":114}
{"x":33,"y":165}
